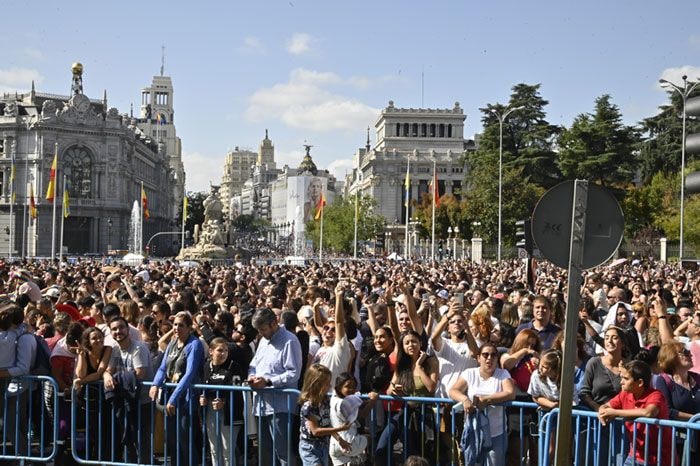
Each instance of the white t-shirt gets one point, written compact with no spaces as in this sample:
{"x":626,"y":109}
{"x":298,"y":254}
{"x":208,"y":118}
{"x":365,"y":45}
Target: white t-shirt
{"x":453,"y":358}
{"x":336,"y":358}
{"x":134,"y":334}
{"x":476,"y":385}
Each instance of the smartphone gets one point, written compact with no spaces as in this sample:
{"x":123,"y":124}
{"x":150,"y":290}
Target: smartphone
{"x":426,"y":296}
{"x":459,"y":297}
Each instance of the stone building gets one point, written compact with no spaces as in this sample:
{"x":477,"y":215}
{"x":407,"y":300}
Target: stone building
{"x":426,"y":136}
{"x":105,"y":157}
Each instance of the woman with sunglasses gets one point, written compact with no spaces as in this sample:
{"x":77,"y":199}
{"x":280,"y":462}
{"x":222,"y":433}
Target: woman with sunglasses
{"x":485,"y":388}
{"x":680,"y":386}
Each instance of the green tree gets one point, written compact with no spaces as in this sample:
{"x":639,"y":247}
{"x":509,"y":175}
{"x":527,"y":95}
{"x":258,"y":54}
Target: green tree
{"x":660,"y":149}
{"x":599,"y":147}
{"x":339,"y":224}
{"x":528,"y":138}
{"x":195,"y":209}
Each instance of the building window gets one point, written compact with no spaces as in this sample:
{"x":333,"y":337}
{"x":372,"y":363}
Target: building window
{"x":398,"y":129}
{"x":449,"y":131}
{"x":423,"y":130}
{"x":77,"y":166}
{"x":432,"y":130}
{"x":414,"y":133}
{"x":405,"y":129}
{"x":442,"y":130}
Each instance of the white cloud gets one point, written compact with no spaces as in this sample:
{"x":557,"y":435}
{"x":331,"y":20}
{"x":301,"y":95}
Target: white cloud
{"x":675,"y":75}
{"x":33,"y":53}
{"x":339,"y":168}
{"x":299,"y":43}
{"x":202,"y":169}
{"x":14,"y":78}
{"x":252,"y":44}
{"x":305,"y":102}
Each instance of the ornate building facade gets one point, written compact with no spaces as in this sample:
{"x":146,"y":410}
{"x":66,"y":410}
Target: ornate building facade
{"x":105,"y":158}
{"x":426,"y":136}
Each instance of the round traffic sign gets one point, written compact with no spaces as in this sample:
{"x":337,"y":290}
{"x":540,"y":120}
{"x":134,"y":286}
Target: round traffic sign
{"x":551,"y":225}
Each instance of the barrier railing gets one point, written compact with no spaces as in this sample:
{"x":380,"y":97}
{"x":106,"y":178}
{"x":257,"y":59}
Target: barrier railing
{"x":672,"y":443}
{"x":29,"y":427}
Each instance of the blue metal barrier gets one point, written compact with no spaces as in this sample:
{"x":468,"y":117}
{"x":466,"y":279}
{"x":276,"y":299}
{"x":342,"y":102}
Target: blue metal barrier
{"x":669,"y":435}
{"x":29,"y":427}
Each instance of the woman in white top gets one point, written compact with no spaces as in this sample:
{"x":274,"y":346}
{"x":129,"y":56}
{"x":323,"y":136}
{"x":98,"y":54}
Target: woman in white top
{"x":483,"y":388}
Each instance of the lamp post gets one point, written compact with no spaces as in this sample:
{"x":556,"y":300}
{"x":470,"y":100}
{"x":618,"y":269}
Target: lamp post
{"x":29,"y":122}
{"x":109,"y":234}
{"x":684,"y":92}
{"x":501,"y":118}
{"x":449,"y":236}
{"x":454,"y":242}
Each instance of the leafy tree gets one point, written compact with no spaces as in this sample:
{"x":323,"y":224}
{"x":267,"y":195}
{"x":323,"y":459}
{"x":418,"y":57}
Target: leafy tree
{"x":660,"y":149}
{"x":195,"y":209}
{"x":339,"y":224}
{"x":599,"y":147}
{"x":247,"y":223}
{"x":449,"y":213}
{"x":528,"y":138}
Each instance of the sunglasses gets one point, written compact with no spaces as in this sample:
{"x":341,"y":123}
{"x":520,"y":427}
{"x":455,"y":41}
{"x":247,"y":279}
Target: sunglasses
{"x":328,"y":328}
{"x":488,"y":355}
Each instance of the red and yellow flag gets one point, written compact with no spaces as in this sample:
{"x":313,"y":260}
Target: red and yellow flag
{"x":32,"y":202}
{"x":51,"y":191}
{"x":144,"y":203}
{"x":435,"y":191}
{"x":319,"y":207}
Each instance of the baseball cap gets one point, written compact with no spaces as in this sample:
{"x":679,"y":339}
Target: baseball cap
{"x":443,"y":294}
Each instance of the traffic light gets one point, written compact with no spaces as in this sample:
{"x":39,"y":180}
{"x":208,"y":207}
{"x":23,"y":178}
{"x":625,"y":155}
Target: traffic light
{"x":523,"y":235}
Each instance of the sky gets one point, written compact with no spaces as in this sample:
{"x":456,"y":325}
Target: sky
{"x":321,"y":71}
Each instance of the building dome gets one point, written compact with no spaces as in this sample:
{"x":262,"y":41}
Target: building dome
{"x":77,"y":68}
{"x":307,"y":164}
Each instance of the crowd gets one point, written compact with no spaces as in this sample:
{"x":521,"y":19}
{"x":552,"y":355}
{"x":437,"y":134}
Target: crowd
{"x":344,"y":335}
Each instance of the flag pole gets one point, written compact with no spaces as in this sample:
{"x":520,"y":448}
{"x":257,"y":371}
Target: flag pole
{"x":354,"y":249}
{"x":184,"y":218}
{"x":141,"y":227}
{"x":12,"y":198}
{"x":53,"y":216}
{"x":63,"y":218}
{"x":408,"y":196}
{"x":320,"y":240}
{"x":435,"y":190}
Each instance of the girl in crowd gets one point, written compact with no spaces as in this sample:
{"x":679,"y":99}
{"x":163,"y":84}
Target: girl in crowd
{"x":416,"y":374}
{"x":483,"y":388}
{"x":181,"y":365}
{"x":521,"y":359}
{"x":315,"y":426}
{"x":346,"y":408}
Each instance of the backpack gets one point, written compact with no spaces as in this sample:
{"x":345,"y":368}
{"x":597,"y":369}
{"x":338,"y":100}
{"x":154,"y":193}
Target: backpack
{"x":42,"y":360}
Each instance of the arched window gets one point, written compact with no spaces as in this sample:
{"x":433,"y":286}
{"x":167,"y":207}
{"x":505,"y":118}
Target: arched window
{"x":77,"y":166}
{"x":442,"y":130}
{"x":423,"y":130}
{"x":449,"y":131}
{"x":405,"y":129}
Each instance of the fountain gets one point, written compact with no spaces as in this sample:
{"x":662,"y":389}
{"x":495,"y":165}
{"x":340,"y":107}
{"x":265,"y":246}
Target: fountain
{"x":135,"y":235}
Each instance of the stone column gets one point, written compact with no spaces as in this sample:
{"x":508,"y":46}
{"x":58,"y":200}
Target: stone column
{"x":477,"y":246}
{"x":663,"y":252}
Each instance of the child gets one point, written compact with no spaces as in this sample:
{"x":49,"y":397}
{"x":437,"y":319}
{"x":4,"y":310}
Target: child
{"x":544,"y":383}
{"x":315,"y":425}
{"x":217,"y":414}
{"x":345,"y":408}
{"x":638,"y":399}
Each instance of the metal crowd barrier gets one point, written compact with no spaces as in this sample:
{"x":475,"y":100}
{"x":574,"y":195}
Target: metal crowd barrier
{"x":29,"y":427}
{"x":611,"y":445}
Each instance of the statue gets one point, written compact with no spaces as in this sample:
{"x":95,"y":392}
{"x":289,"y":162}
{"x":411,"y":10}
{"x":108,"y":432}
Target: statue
{"x":209,"y":237}
{"x":213,"y":207}
{"x":10,"y":109}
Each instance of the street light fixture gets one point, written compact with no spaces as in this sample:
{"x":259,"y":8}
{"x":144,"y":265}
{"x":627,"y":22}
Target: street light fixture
{"x":454,"y":243}
{"x":501,"y":118}
{"x":684,"y":92}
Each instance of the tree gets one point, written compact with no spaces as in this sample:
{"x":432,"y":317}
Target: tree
{"x":528,"y":138}
{"x":598,"y":147}
{"x":195,"y":209}
{"x":660,"y":150}
{"x":339,"y":224}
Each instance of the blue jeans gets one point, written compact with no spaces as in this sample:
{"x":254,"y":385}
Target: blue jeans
{"x":275,"y":436}
{"x":497,"y":455}
{"x":313,"y":453}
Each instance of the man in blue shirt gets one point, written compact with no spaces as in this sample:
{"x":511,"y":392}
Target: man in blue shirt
{"x":277,"y":364}
{"x":542,"y":321}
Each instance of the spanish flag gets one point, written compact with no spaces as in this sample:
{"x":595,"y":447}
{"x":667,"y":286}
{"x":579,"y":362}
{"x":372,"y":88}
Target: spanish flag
{"x":51,"y":191}
{"x":435,"y":191}
{"x":319,"y":207}
{"x":184,"y":208}
{"x":407,"y":185}
{"x":66,"y":203}
{"x":144,"y":203}
{"x":32,"y":202}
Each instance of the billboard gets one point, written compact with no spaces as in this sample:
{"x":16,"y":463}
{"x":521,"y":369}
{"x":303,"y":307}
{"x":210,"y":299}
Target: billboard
{"x":304,"y":194}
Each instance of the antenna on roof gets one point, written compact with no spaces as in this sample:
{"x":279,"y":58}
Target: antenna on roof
{"x":162,"y":59}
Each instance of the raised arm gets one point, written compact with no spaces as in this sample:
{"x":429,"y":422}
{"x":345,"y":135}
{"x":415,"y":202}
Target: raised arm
{"x":339,"y":311}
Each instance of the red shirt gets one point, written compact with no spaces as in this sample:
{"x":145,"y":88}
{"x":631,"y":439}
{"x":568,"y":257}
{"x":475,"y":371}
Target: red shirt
{"x":625,"y":400}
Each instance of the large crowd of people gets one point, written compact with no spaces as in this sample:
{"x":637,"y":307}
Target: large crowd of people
{"x":344,"y":336}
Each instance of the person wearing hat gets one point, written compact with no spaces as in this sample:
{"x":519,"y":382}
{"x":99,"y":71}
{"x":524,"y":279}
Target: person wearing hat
{"x":26,"y":285}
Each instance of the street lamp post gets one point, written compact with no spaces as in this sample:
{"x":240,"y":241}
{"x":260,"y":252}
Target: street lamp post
{"x":684,"y":92}
{"x":501,"y":118}
{"x":29,"y":123}
{"x":109,"y":234}
{"x":454,"y":243}
{"x":449,"y":236}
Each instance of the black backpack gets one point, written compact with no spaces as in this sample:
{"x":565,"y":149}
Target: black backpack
{"x":42,"y":361}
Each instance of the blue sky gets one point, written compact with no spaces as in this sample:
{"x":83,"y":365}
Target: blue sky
{"x":320,"y":71}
